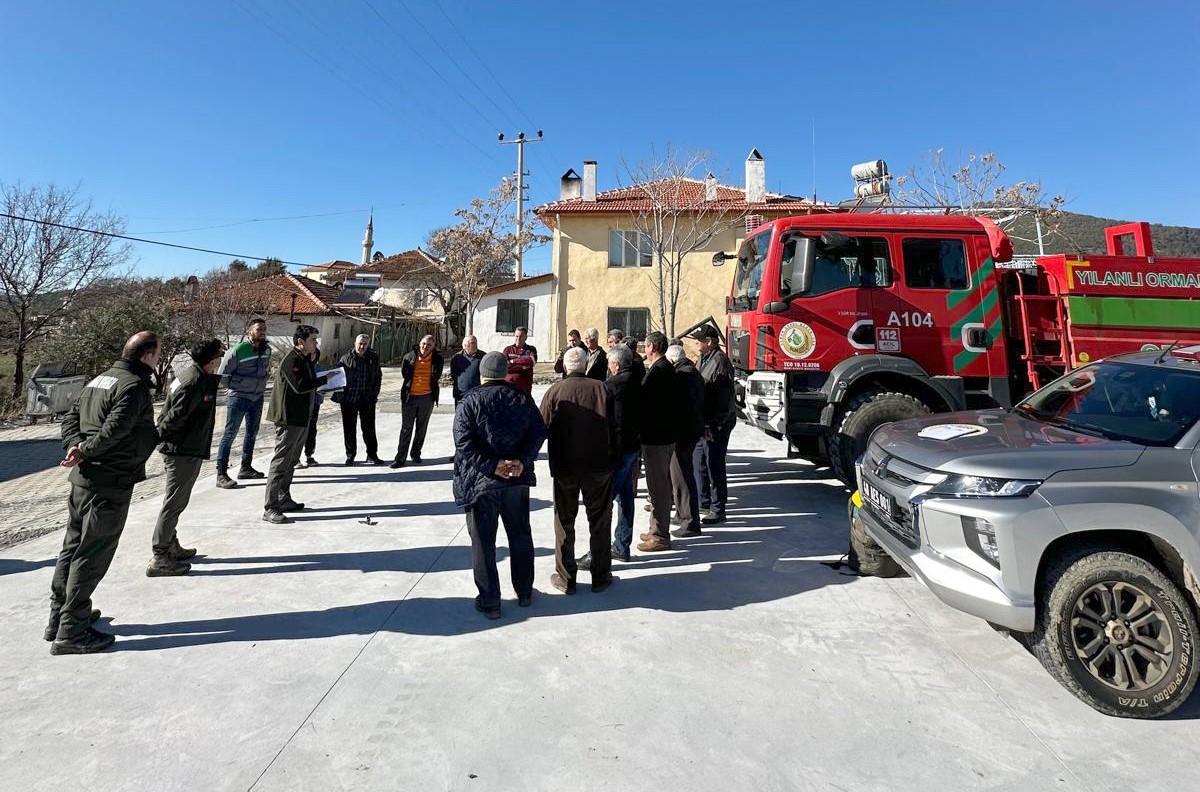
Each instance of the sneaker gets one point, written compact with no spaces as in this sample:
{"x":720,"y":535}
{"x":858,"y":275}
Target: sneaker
{"x":525,"y":600}
{"x":291,"y":506}
{"x":163,"y":566}
{"x":312,"y":462}
{"x":396,"y":463}
{"x":349,"y":461}
{"x":89,"y":641}
{"x":224,"y":482}
{"x":585,"y":562}
{"x":562,"y":584}
{"x":180,"y":553}
{"x":247,"y":472}
{"x":654,"y":545}
{"x":598,"y":586}
{"x":492,"y":612}
{"x":52,"y":628}
{"x":712,"y":518}
{"x":685,"y":531}
{"x":619,"y":556}
{"x":275,"y":517}
{"x":374,"y":460}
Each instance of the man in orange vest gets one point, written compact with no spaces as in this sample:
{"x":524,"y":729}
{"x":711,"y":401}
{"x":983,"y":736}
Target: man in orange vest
{"x":422,"y":371}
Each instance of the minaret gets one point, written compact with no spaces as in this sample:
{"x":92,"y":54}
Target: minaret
{"x":368,"y":240}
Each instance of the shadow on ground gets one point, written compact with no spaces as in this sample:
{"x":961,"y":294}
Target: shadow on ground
{"x":22,"y":457}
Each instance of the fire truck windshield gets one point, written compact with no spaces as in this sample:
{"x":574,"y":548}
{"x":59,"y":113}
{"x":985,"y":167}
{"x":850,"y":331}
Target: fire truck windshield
{"x":751,"y":263}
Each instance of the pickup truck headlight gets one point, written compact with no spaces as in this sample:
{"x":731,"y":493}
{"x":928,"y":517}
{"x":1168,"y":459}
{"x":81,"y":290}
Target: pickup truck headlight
{"x":983,"y":487}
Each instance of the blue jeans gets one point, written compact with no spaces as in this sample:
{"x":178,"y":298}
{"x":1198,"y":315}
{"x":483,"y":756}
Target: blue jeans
{"x":237,"y":409}
{"x":709,"y":463}
{"x":623,"y":494}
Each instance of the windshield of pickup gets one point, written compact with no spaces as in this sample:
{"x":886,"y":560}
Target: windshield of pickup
{"x":751,"y":263}
{"x":1150,"y":405}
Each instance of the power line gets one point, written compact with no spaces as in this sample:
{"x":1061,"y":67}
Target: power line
{"x":268,"y":220}
{"x":114,"y":235}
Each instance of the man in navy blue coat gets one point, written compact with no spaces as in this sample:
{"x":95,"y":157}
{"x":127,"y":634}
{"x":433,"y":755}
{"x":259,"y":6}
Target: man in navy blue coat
{"x":498,"y":432}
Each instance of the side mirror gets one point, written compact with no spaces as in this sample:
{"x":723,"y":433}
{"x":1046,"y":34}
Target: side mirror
{"x":800,"y":277}
{"x":775,"y":307}
{"x":720,"y":257}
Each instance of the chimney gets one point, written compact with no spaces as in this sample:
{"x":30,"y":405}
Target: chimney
{"x":569,"y":185}
{"x":756,"y":178}
{"x":710,"y":187}
{"x":589,"y":180}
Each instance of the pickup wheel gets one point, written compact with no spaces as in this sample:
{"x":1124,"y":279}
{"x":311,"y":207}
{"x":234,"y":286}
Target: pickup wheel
{"x":862,"y":415}
{"x":867,"y":558}
{"x":1117,"y":633}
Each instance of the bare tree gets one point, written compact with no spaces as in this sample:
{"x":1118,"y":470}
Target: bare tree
{"x":45,"y":263}
{"x":976,"y":185}
{"x":481,"y":247}
{"x":677,"y":219}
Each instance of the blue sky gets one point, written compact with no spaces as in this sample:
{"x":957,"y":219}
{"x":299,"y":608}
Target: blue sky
{"x":191,"y":115}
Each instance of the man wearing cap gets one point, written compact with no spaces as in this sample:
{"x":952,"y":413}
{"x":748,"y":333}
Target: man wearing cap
{"x":720,"y":416}
{"x":498,"y":432}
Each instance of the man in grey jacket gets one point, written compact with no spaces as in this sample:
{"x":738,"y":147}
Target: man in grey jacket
{"x":720,"y":417}
{"x":244,"y":372}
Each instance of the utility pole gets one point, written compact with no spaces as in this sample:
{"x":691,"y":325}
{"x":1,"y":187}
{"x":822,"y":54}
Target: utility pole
{"x":520,"y":143}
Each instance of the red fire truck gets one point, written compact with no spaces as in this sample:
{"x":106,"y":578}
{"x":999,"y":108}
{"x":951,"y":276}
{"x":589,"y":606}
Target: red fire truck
{"x":838,"y":323}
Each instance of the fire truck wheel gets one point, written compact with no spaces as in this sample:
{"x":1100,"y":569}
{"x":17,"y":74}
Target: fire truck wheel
{"x":862,"y":415}
{"x":1117,"y":633}
{"x":867,"y":558}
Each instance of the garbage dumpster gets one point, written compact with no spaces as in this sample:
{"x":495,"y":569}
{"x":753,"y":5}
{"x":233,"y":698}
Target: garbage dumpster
{"x":53,"y":388}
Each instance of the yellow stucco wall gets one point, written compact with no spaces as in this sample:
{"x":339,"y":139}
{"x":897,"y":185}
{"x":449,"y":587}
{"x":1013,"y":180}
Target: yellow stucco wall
{"x":586,"y":287}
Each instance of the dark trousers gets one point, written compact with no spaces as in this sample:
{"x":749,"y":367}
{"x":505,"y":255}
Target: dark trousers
{"x":182,"y":472}
{"x":683,"y":485}
{"x":709,"y":461}
{"x":510,"y":504}
{"x":352,"y":415}
{"x":237,"y":409}
{"x":289,"y":442}
{"x":96,"y":518}
{"x":657,"y":461}
{"x":596,"y":489}
{"x":623,"y":494}
{"x":310,"y":440}
{"x":415,"y":413}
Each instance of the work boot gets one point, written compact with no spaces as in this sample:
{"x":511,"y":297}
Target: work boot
{"x":247,"y":473}
{"x":52,"y":628}
{"x":562,"y":584}
{"x":654,"y":545}
{"x":492,"y":612}
{"x":223,"y":480}
{"x":89,"y":641}
{"x":290,"y":505}
{"x":180,"y":553}
{"x":275,"y":517}
{"x":165,"y":566}
{"x":685,"y":531}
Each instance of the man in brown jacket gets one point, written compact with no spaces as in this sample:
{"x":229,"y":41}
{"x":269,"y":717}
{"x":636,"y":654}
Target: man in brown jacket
{"x":578,"y":412}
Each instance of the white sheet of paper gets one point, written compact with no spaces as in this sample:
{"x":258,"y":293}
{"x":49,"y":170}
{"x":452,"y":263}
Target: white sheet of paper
{"x":337,"y":379}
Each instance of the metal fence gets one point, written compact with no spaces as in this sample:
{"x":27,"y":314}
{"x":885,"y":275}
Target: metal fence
{"x":394,"y":341}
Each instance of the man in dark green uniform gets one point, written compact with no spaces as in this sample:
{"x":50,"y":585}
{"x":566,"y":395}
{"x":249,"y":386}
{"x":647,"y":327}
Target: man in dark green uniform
{"x":291,"y":407}
{"x":109,"y":434}
{"x":186,"y":429}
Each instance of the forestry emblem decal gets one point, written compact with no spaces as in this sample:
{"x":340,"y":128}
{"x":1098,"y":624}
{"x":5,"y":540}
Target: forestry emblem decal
{"x":797,"y":340}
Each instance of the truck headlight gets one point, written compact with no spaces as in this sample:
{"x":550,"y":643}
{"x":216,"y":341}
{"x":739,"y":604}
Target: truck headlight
{"x":768,"y":389}
{"x":983,"y":487}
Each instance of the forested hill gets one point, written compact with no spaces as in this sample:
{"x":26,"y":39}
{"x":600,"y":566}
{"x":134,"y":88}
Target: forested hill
{"x":1085,"y":234}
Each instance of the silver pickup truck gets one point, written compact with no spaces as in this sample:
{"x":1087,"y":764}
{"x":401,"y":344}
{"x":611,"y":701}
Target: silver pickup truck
{"x":1072,"y":519}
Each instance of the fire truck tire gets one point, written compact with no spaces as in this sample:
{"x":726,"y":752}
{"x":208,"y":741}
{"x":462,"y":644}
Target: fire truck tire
{"x":1116,"y":632}
{"x":867,"y":558}
{"x":862,"y":415}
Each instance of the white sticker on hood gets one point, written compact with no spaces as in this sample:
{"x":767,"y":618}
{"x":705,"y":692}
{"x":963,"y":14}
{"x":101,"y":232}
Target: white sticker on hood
{"x":951,"y":431}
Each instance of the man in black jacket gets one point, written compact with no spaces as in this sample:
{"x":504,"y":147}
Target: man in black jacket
{"x":186,"y":429}
{"x":597,"y":358}
{"x":292,"y":400}
{"x":109,"y":434}
{"x":498,"y":432}
{"x":460,"y":363}
{"x":720,"y":416}
{"x":626,"y":390}
{"x":364,"y":377}
{"x":660,"y":410}
{"x":690,"y":427}
{"x":422,"y":372}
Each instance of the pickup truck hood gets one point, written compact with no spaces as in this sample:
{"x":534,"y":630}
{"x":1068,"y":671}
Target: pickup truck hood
{"x":1000,"y":444}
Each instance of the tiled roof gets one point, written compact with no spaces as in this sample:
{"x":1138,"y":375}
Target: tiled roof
{"x":332,"y":265}
{"x":685,"y":193}
{"x":401,"y":264}
{"x":274,"y":295}
{"x":534,"y":281}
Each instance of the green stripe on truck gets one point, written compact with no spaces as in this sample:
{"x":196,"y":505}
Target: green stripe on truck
{"x":1133,"y":312}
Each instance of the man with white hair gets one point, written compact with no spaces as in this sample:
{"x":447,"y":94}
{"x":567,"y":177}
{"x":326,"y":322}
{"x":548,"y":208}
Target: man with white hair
{"x":364,"y":376}
{"x":422,"y":371}
{"x":597,"y":359}
{"x":460,"y":363}
{"x":578,"y":413}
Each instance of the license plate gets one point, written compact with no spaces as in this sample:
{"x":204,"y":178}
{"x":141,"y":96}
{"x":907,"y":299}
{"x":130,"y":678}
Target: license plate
{"x":878,"y":500}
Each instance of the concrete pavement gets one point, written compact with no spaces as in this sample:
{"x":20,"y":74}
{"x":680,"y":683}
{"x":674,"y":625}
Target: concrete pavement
{"x":337,"y":654}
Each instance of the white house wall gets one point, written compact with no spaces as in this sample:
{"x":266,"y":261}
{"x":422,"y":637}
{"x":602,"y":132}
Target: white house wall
{"x":540,"y":320}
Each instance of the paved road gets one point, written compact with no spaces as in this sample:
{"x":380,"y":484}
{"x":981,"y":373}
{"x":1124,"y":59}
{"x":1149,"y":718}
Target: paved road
{"x":333,"y":654}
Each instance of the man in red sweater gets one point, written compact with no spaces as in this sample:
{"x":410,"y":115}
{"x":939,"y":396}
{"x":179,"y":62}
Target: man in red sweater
{"x":521,"y":357}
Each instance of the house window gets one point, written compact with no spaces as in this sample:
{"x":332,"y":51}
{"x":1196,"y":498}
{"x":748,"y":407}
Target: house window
{"x":935,"y":264}
{"x":420,"y":298}
{"x":511,"y":314}
{"x":337,"y":330}
{"x":630,"y":249}
{"x":634,"y":321}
